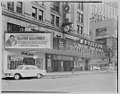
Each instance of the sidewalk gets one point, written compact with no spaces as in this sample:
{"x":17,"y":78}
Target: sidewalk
{"x":54,"y":75}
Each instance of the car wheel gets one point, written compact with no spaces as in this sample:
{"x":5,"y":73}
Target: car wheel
{"x":38,"y":76}
{"x":17,"y":77}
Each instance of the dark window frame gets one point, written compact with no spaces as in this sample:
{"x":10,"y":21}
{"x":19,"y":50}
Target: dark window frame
{"x":19,"y":9}
{"x":52,"y":19}
{"x":34,"y":15}
{"x":80,"y":6}
{"x":10,"y":6}
{"x":41,"y":16}
{"x":14,"y":28}
{"x":79,"y":17}
{"x":57,"y":21}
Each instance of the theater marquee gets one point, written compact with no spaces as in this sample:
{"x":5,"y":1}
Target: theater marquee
{"x":28,"y":40}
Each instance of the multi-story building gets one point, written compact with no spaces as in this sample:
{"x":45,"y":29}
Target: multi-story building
{"x":36,"y":33}
{"x":104,"y":28}
{"x":102,"y":11}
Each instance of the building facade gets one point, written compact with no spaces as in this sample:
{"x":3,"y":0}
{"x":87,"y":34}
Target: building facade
{"x":104,"y":28}
{"x":105,"y":32}
{"x":103,"y":11}
{"x":35,"y":33}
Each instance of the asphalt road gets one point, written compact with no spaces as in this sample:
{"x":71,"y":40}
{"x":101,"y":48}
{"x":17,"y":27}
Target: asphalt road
{"x":101,"y":82}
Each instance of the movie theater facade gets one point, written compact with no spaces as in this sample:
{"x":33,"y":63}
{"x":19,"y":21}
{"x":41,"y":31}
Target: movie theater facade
{"x":48,"y":52}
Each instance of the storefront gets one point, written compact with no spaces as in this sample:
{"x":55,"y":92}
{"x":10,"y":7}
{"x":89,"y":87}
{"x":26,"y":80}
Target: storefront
{"x":57,"y":62}
{"x":25,"y":49}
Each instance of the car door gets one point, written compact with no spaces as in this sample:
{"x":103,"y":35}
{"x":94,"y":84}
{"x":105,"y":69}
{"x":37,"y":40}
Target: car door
{"x":26,"y":71}
{"x":34,"y":70}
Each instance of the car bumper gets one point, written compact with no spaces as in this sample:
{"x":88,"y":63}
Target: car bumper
{"x":7,"y":75}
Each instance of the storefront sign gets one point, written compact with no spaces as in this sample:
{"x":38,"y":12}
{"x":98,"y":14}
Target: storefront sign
{"x":62,"y":57}
{"x":28,"y":40}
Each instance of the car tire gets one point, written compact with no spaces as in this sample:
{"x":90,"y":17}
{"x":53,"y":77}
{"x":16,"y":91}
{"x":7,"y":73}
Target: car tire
{"x":39,"y":76}
{"x":17,"y":76}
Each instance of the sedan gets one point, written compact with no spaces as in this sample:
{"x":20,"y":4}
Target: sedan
{"x":25,"y":71}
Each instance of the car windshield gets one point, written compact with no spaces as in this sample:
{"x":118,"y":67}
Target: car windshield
{"x":19,"y":67}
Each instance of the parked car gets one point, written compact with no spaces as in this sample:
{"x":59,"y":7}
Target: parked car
{"x":25,"y":71}
{"x":96,"y":68}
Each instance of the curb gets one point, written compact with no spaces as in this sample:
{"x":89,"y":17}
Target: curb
{"x":70,"y":74}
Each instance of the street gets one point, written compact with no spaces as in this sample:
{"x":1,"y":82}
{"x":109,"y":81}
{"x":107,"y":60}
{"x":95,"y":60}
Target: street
{"x":101,"y":82}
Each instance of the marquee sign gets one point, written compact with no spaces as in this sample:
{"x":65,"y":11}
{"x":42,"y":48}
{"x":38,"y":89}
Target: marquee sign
{"x":28,"y":40}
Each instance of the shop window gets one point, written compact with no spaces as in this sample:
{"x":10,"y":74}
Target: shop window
{"x":52,"y":19}
{"x":57,"y":21}
{"x":10,"y":6}
{"x":34,"y":12}
{"x":15,"y":28}
{"x":79,"y":17}
{"x":80,"y":6}
{"x":14,"y":62}
{"x":55,"y":6}
{"x":40,"y":15}
{"x":19,"y":7}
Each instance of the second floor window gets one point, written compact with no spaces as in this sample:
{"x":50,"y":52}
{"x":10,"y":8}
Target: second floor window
{"x":19,"y":7}
{"x":34,"y":12}
{"x":40,"y":15}
{"x":52,"y":19}
{"x":79,"y":17}
{"x":10,"y":6}
{"x":55,"y":6}
{"x":15,"y":28}
{"x":57,"y":21}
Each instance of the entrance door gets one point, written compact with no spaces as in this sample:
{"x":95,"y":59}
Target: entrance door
{"x":55,"y":66}
{"x":29,"y":61}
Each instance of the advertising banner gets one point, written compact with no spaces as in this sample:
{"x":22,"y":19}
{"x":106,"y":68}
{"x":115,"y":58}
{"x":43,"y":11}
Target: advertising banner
{"x":27,"y":40}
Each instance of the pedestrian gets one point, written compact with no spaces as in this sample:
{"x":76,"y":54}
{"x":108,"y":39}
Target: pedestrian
{"x":72,"y":70}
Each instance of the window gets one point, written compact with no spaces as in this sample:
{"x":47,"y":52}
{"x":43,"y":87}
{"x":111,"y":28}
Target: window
{"x":101,"y":31}
{"x":34,"y":12}
{"x":19,"y":7}
{"x":79,"y":17}
{"x":78,"y":28}
{"x":10,"y":6}
{"x":14,"y":62}
{"x":52,"y":19}
{"x":55,"y":6}
{"x":33,"y":68}
{"x":27,"y":68}
{"x":57,"y":21}
{"x":81,"y":30}
{"x":20,"y":67}
{"x":80,"y":6}
{"x":40,"y":15}
{"x":15,"y":28}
